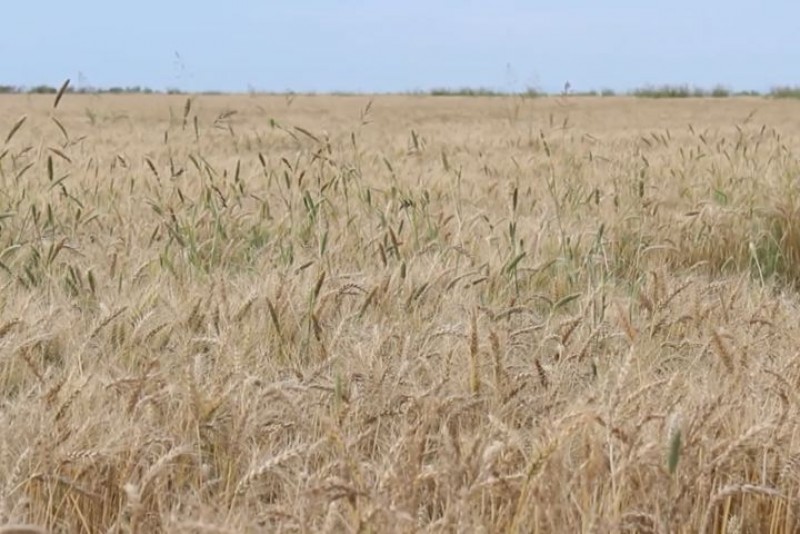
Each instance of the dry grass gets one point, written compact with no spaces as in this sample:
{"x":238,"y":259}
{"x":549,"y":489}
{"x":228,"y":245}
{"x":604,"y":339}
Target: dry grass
{"x":478,"y":315}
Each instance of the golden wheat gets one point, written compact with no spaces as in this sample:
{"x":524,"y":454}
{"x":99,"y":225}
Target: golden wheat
{"x":397,"y":314}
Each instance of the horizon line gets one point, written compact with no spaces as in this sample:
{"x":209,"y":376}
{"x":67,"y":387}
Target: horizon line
{"x":663,"y":89}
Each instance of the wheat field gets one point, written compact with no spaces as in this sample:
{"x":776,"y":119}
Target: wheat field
{"x":399,"y":314}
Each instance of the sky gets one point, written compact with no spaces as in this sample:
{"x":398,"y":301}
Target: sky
{"x":384,"y":46}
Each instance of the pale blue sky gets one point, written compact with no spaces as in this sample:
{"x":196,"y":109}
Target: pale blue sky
{"x":372,"y":46}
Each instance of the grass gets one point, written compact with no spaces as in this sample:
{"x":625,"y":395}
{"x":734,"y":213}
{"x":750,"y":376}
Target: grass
{"x":261,"y":313}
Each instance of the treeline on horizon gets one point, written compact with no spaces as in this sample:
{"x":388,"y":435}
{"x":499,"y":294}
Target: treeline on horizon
{"x":647,"y":91}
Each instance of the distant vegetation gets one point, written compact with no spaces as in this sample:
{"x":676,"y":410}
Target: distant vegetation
{"x":718,"y":91}
{"x":48,"y":89}
{"x":465,"y":91}
{"x":482,"y":91}
{"x":785,"y":91}
{"x":646,"y":91}
{"x":679,"y":91}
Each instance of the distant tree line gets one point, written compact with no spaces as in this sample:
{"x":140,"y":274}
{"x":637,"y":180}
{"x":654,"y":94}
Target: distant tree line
{"x":48,"y":89}
{"x":648,"y":91}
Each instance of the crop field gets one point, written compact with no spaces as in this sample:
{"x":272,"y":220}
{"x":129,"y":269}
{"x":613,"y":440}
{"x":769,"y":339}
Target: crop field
{"x":399,"y":314}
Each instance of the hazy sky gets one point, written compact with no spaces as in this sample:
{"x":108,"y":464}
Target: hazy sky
{"x":360,"y":45}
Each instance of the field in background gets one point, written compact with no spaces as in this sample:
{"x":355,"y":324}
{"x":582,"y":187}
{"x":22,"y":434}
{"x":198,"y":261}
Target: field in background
{"x":244,"y":314}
